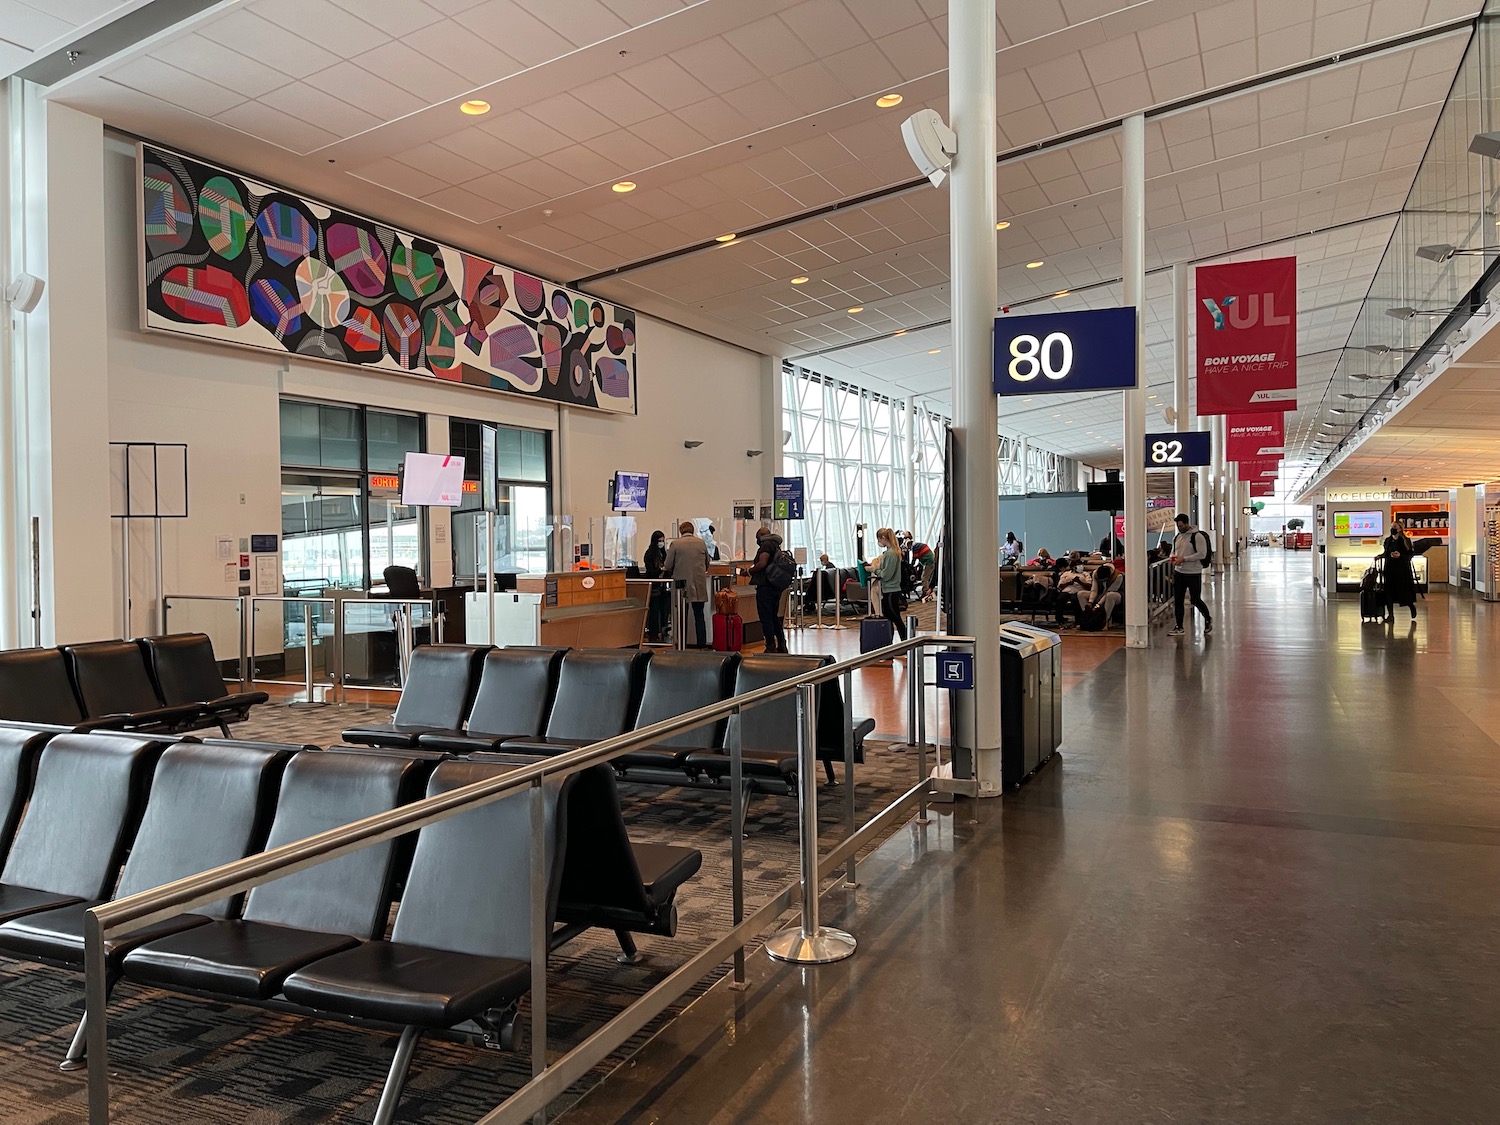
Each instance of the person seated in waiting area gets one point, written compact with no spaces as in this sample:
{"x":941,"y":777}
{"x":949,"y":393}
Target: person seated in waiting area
{"x":1043,"y":558}
{"x":1072,"y":586}
{"x":1106,"y":593}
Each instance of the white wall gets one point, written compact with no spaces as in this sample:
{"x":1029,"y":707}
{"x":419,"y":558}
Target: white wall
{"x":223,"y":401}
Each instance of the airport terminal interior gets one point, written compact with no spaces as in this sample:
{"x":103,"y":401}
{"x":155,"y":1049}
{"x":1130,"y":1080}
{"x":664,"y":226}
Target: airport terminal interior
{"x":724,"y":561}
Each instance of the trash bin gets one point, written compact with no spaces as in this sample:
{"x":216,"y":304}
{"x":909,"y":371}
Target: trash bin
{"x":1030,"y":700}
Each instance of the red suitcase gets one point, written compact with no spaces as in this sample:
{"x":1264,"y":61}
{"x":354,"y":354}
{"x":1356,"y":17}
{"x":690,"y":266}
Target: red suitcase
{"x":729,"y":632}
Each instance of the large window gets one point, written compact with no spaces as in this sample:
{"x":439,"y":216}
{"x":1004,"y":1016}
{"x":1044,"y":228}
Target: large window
{"x":342,"y":520}
{"x":514,"y":464}
{"x":853,"y":448}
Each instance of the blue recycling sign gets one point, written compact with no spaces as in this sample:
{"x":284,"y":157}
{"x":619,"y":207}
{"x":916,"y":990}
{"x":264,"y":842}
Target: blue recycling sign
{"x":955,"y":671}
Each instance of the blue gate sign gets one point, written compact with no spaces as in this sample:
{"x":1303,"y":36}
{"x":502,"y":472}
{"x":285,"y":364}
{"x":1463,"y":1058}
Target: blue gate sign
{"x":787,"y":495}
{"x":1180,"y":450}
{"x":1072,"y":351}
{"x":955,"y":671}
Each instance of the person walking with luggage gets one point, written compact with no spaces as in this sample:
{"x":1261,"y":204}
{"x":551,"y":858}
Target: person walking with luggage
{"x":887,"y":571}
{"x":1191,"y":551}
{"x":768,"y":576}
{"x":659,"y":605}
{"x":1400,"y":580}
{"x":687,"y":562}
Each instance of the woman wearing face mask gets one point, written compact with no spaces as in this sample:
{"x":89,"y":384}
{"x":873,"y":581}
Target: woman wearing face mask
{"x":659,"y":607}
{"x":887,"y":571}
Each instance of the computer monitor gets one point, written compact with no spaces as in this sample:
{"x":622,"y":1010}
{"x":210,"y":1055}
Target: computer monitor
{"x":629,"y":492}
{"x":1106,"y":496}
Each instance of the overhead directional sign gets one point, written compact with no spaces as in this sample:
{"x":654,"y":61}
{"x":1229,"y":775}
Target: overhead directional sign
{"x":1178,"y":451}
{"x":1073,"y":351}
{"x":790,"y":494}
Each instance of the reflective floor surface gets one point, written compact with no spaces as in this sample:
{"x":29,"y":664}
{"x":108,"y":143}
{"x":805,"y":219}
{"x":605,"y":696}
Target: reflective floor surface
{"x":1260,"y":885}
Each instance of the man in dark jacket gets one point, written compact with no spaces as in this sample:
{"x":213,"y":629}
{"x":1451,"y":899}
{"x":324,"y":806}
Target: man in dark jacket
{"x":767,"y":578}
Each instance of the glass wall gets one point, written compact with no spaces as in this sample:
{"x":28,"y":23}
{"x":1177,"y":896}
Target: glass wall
{"x":852,"y":447}
{"x":342,"y":520}
{"x":514,"y":465}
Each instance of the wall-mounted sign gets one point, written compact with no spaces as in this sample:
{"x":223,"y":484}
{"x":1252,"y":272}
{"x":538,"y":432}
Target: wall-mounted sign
{"x":1178,"y":451}
{"x":1073,"y":351}
{"x":1355,"y":495}
{"x":955,"y":671}
{"x":788,"y":494}
{"x":384,"y":482}
{"x":263,"y":544}
{"x":1247,"y":337}
{"x":744,"y":509}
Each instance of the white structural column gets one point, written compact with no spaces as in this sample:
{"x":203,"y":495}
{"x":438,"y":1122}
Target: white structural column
{"x":1205,"y":480}
{"x":1181,"y":303}
{"x":976,"y":546}
{"x":1137,"y":632}
{"x":909,"y":455}
{"x":57,"y":382}
{"x":1221,"y":495}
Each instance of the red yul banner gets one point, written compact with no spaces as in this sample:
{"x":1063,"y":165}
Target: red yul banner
{"x":1259,"y":470}
{"x":1254,"y":437}
{"x":1247,"y":337}
{"x":1261,"y":488}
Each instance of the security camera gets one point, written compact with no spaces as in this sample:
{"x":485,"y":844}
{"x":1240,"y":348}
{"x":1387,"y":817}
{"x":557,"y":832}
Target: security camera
{"x":691,"y":444}
{"x":930,"y":143}
{"x":24,"y":293}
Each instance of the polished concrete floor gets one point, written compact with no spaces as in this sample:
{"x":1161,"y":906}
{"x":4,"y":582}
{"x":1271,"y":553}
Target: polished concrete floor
{"x":1259,"y":886}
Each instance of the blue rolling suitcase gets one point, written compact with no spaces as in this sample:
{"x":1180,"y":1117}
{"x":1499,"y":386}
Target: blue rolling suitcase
{"x":875,"y":632}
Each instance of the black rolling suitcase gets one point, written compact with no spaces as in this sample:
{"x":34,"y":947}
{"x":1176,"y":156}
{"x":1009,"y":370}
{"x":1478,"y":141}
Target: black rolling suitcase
{"x":875,"y":632}
{"x":1372,"y":604}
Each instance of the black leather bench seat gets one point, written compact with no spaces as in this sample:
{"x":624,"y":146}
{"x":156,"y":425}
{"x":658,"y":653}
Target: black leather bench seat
{"x":778,"y":765}
{"x":409,"y":984}
{"x":665,"y":867}
{"x":57,"y":934}
{"x":463,"y":742}
{"x":248,"y":960}
{"x":16,"y":901}
{"x":440,"y":687}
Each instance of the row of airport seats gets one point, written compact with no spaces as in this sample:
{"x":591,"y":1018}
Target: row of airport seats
{"x":545,"y":701}
{"x":86,"y":817}
{"x":156,"y":685}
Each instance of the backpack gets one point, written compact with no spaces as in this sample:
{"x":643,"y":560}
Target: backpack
{"x":1208,"y":547}
{"x":1092,"y":619}
{"x":781,"y":571}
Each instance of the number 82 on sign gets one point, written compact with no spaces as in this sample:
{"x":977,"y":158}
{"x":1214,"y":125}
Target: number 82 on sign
{"x":1178,"y":451}
{"x":1077,"y":351}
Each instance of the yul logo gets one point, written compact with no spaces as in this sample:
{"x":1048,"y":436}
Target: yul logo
{"x":1246,"y":314}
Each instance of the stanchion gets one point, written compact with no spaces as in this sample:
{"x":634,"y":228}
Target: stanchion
{"x":916,"y":722}
{"x":809,"y":943}
{"x":851,"y":874}
{"x":307,"y":660}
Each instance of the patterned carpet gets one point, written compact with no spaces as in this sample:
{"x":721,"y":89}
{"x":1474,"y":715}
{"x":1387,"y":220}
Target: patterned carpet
{"x":184,"y":1061}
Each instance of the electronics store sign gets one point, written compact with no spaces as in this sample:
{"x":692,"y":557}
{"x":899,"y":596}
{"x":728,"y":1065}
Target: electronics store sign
{"x":1356,"y":495}
{"x":1073,"y":351}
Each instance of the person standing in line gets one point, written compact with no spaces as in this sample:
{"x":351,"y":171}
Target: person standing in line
{"x":660,"y":601}
{"x":712,"y":543}
{"x":1190,"y":551}
{"x":765,"y":577}
{"x":887,"y":571}
{"x":1400,"y":580}
{"x":687,"y":562}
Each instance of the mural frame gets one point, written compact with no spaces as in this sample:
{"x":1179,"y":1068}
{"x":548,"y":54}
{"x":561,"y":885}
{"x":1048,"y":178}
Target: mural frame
{"x":229,"y":258}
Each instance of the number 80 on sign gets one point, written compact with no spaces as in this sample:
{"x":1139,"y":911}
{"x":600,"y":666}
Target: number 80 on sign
{"x":1057,"y":352}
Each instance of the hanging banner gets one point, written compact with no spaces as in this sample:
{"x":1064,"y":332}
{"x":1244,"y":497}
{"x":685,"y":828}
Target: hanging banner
{"x":1258,"y":470}
{"x":1247,"y":337}
{"x":1259,"y":489}
{"x":1253,"y":437}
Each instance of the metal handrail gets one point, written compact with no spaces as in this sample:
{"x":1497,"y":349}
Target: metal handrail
{"x":403,"y":625}
{"x":134,"y":912}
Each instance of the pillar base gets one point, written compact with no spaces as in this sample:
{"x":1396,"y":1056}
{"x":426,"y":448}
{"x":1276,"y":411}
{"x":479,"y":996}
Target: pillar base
{"x":1137,"y":636}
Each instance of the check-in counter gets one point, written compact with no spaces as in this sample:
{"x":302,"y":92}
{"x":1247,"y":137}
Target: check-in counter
{"x":572,"y":609}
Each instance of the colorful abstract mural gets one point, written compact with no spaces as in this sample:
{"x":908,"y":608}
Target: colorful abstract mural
{"x":233,"y":260}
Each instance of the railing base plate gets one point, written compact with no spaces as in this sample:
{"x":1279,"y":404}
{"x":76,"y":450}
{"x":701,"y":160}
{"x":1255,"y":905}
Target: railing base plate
{"x":821,"y":948}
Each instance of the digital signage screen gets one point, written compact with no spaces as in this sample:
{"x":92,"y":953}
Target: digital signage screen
{"x":1358,"y":525}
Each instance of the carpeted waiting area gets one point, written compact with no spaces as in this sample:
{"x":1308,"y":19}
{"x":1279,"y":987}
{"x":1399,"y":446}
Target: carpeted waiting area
{"x":182,"y":1061}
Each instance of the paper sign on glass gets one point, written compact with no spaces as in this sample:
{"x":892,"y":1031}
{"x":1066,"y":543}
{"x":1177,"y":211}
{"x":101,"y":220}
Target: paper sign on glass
{"x":433,"y":479}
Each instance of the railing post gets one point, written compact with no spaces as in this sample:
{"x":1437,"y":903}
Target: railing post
{"x":539,"y":935}
{"x":737,"y":837}
{"x":851,"y":872}
{"x":307,"y":656}
{"x":810,"y":942}
{"x":246,"y":656}
{"x":917,"y":673}
{"x":96,"y":1032}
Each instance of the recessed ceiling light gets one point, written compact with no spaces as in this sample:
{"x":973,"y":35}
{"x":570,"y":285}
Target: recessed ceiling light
{"x":623,"y":186}
{"x":899,"y":332}
{"x":475,"y":107}
{"x":799,"y":281}
{"x":1061,"y":293}
{"x":726,"y":238}
{"x":856,"y":309}
{"x":888,"y":101}
{"x":1033,"y":265}
{"x":1003,"y":224}
{"x":933,"y":351}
